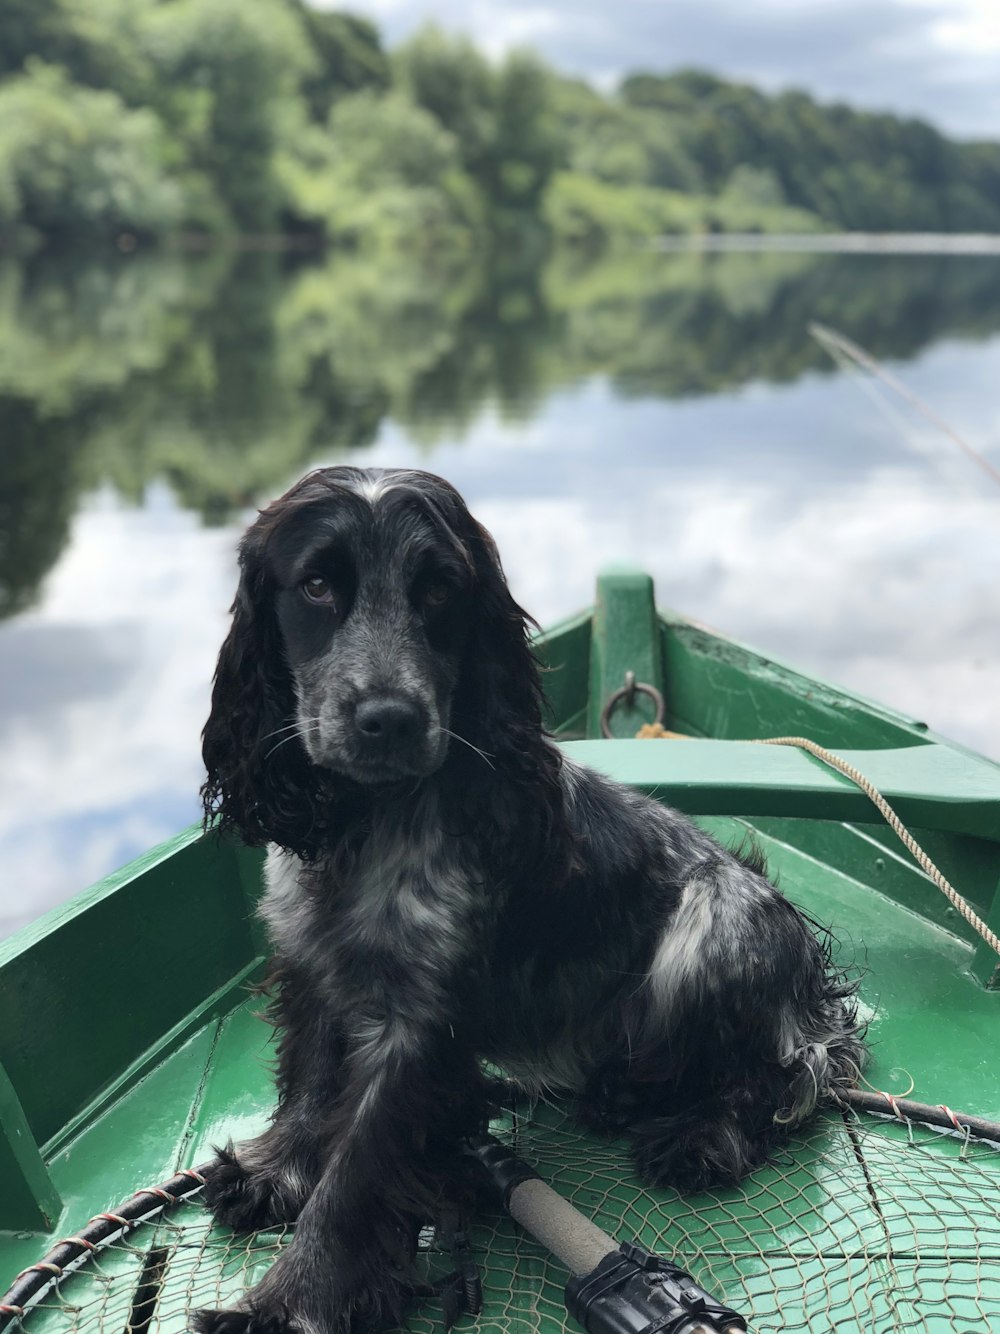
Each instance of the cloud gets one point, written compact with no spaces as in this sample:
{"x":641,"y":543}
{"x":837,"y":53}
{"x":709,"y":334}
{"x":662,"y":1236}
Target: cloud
{"x":106,"y":688}
{"x":931,"y":58}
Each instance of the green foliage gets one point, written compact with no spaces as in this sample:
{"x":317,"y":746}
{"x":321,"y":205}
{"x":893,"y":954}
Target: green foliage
{"x":348,"y":57}
{"x":754,"y":186}
{"x":386,"y":173}
{"x":527,"y":145}
{"x":75,"y":161}
{"x":247,"y":59}
{"x":449,"y":78}
{"x":228,"y":374}
{"x":264,"y":116}
{"x":593,"y":214}
{"x":612,"y":141}
{"x":855,"y":169}
{"x":94,"y":39}
{"x":385,"y":141}
{"x":503,"y":118}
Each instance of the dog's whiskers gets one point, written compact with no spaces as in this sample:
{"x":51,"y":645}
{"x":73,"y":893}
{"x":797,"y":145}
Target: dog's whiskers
{"x":289,"y":727}
{"x":300,"y":732}
{"x":481,"y":753}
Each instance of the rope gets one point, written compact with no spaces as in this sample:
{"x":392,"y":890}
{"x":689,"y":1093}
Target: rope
{"x":896,"y":825}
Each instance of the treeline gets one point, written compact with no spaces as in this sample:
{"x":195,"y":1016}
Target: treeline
{"x":136,"y":119}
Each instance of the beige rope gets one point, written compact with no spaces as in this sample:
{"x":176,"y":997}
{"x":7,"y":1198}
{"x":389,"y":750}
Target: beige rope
{"x":895,"y":824}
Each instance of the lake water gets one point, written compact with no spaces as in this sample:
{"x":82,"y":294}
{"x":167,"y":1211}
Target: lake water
{"x":667,"y":409}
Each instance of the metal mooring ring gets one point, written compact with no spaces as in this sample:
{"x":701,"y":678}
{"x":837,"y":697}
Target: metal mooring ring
{"x":628,"y":692}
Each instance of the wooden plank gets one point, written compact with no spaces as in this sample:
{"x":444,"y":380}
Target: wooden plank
{"x":718,"y":687}
{"x":873,"y":855}
{"x":29,"y":1201}
{"x":231,"y":994}
{"x":927,"y":1016}
{"x":563,"y":653}
{"x":92,"y":987}
{"x":625,"y":638}
{"x":137,"y":1142}
{"x":986,"y":964}
{"x":238,"y":1091}
{"x":935,"y":787}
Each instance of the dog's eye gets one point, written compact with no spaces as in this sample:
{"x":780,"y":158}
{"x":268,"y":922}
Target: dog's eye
{"x":436,"y":594}
{"x":317,"y":589}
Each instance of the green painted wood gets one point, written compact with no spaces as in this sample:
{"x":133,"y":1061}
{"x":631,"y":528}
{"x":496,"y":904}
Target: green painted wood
{"x":219,"y":1084}
{"x":986,"y":965}
{"x":237,"y":1092}
{"x":720,"y":688}
{"x":219,"y":1003}
{"x":625,"y":638}
{"x":929,"y":786}
{"x":28,"y":1199}
{"x":563,"y":651}
{"x":92,"y":987}
{"x":139,"y":1140}
{"x":873,"y":855}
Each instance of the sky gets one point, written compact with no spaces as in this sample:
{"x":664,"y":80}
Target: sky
{"x":938,"y":59}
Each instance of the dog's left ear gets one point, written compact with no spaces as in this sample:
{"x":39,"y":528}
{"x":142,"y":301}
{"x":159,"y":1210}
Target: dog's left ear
{"x":500,"y":702}
{"x":500,"y":695}
{"x":256,"y":786}
{"x":506,"y":672}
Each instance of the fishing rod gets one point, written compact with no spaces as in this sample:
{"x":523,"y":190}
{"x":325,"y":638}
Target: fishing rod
{"x":837,"y":343}
{"x":615,"y":1287}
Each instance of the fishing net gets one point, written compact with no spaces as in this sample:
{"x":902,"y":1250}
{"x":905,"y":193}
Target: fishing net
{"x":860,"y":1225}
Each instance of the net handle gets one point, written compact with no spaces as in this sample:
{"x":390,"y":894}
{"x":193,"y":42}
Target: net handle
{"x":103,"y":1230}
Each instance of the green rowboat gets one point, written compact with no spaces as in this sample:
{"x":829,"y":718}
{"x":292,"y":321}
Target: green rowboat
{"x":129,"y":1042}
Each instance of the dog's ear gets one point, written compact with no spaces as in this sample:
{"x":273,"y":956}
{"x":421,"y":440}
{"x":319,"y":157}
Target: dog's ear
{"x":499,"y":694}
{"x":499,"y":706}
{"x":504,"y":672}
{"x":523,"y":825}
{"x":257,"y":786}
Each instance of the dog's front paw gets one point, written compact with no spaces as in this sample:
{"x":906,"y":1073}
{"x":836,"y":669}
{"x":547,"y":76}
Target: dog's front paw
{"x":244,"y":1200}
{"x":291,"y":1299}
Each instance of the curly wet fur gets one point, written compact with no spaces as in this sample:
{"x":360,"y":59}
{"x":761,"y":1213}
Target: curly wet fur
{"x":445,"y":887}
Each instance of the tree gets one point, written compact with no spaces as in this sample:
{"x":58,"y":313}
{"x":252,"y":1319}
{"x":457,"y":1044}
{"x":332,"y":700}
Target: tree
{"x":230,"y":72}
{"x":348,"y":57}
{"x":527,"y":146}
{"x":77,"y":161}
{"x":450,"y":79}
{"x":30,"y":28}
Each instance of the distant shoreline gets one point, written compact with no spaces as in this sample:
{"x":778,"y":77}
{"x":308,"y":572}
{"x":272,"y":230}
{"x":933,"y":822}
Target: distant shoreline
{"x":833,"y":243}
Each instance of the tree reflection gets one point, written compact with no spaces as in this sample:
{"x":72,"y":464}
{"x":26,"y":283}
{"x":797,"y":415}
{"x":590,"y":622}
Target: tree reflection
{"x":225,"y":374}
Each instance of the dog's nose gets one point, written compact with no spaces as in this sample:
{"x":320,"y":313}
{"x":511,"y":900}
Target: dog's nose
{"x":389,"y":722}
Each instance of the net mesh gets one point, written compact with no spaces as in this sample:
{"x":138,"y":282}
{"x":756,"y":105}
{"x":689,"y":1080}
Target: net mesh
{"x":859,"y":1225}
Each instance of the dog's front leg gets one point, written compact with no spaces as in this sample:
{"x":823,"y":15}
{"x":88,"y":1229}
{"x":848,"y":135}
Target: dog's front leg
{"x":408,"y":1099}
{"x":264,"y":1182}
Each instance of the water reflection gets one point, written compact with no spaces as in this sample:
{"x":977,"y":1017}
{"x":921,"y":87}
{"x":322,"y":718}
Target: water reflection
{"x":670,"y":409}
{"x":226,"y":374}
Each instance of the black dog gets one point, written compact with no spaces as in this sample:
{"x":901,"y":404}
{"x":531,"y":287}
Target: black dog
{"x":445,"y":887}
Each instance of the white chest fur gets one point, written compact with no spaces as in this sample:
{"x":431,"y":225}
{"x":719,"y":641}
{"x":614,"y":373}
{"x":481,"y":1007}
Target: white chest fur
{"x":388,"y":935}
